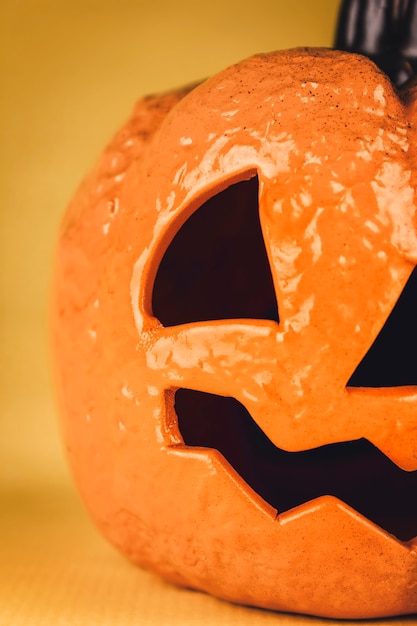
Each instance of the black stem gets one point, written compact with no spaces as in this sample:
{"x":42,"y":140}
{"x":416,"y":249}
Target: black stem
{"x":383,"y":30}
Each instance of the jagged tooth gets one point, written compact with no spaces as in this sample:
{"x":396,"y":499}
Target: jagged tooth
{"x":340,"y":508}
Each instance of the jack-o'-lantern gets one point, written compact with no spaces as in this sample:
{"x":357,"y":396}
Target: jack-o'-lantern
{"x":235,"y":336}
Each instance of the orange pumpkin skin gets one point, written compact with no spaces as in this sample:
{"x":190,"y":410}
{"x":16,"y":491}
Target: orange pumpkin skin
{"x":333,"y":147}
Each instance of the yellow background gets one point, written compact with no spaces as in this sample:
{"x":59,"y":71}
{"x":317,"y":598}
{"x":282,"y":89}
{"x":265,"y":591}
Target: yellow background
{"x":70,"y":73}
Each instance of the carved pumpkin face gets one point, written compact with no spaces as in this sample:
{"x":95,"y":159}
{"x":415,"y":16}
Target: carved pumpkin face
{"x":239,"y":414}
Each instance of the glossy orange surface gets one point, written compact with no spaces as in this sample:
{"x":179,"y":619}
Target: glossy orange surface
{"x":325,"y":147}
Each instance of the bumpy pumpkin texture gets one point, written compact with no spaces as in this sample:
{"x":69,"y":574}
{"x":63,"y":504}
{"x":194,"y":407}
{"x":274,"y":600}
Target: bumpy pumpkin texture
{"x":327,"y":149}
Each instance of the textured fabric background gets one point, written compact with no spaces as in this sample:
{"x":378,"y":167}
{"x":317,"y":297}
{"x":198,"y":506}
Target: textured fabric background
{"x":70,"y":73}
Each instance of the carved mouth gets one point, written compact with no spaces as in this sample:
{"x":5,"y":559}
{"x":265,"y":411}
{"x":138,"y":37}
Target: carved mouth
{"x":216,"y":267}
{"x":356,"y":472}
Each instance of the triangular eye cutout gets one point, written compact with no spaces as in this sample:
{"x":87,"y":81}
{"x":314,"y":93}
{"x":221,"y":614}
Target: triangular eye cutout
{"x":216,"y":266}
{"x":391,"y":361}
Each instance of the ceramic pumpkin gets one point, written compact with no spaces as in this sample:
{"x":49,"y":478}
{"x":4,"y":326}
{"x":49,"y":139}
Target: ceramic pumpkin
{"x":239,"y":411}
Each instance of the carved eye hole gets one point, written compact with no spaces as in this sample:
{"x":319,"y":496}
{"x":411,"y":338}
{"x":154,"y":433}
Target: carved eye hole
{"x":216,"y":267}
{"x":391,"y":361}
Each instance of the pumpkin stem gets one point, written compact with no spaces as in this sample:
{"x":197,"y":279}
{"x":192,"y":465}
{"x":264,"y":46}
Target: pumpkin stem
{"x":383,"y":30}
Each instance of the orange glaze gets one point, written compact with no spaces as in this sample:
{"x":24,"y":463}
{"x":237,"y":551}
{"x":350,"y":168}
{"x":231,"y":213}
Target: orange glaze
{"x":333,"y":147}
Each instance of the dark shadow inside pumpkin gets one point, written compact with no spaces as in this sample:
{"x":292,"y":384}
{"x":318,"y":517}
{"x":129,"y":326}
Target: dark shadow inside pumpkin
{"x":391,"y":360}
{"x":216,"y":267}
{"x":355,"y":471}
